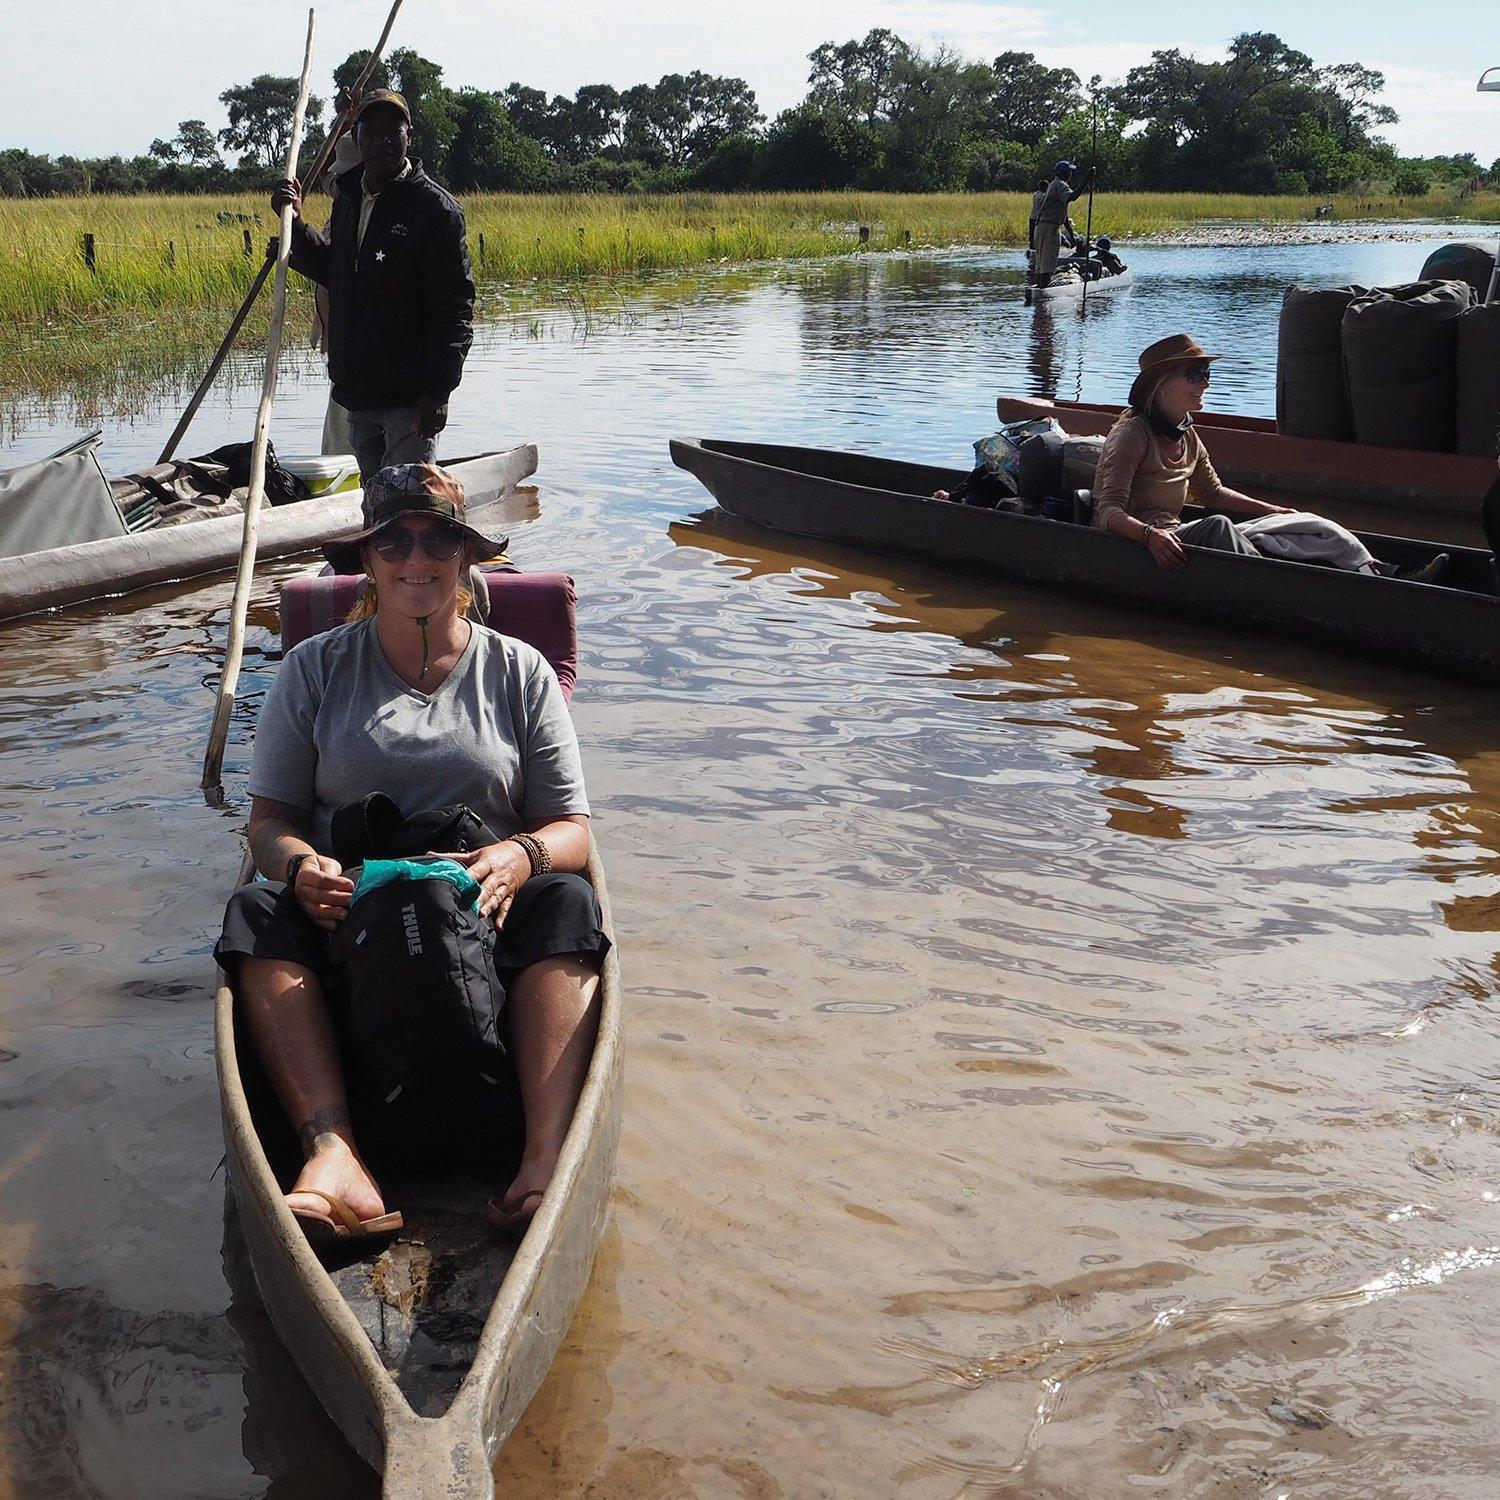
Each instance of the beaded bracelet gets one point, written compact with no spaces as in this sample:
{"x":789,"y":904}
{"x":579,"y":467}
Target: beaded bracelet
{"x":536,"y":851}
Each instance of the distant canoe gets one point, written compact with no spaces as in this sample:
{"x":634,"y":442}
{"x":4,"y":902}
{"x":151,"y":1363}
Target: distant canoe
{"x":886,"y":505}
{"x":195,"y":549}
{"x":1066,"y":284}
{"x":1249,"y":451}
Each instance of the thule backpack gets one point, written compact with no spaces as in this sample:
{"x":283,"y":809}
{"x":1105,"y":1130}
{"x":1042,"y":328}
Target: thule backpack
{"x":423,"y":1000}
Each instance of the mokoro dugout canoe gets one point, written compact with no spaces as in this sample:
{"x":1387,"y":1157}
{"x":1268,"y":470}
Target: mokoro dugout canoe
{"x":119,"y":565}
{"x":1249,"y":452}
{"x":1071,"y":287}
{"x":511,"y":1306}
{"x":885,"y":505}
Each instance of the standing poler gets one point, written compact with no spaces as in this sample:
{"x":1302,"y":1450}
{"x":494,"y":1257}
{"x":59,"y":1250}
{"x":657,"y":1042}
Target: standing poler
{"x":1036,"y":208}
{"x":1052,"y":216}
{"x":400,"y":290}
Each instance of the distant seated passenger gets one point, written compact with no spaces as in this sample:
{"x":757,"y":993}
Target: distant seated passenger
{"x":1104,"y":254}
{"x":1154,"y":462}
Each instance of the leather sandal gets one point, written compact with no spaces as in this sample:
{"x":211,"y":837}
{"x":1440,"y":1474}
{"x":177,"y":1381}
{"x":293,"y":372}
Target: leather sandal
{"x":513,"y":1221}
{"x":341,"y":1224}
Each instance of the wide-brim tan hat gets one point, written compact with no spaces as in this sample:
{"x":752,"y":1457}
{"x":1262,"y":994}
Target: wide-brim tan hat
{"x":1159,"y":358}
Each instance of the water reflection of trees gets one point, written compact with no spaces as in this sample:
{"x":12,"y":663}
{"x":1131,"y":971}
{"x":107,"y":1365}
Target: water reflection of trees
{"x":1128,"y":673}
{"x":965,"y":319}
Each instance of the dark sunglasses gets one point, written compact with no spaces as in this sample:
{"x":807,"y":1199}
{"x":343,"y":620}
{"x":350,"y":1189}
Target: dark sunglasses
{"x":440,"y":543}
{"x":1198,"y":374}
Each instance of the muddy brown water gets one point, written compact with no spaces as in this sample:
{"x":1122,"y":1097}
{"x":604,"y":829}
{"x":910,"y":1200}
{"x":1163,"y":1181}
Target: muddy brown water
{"x":1062,"y":1044}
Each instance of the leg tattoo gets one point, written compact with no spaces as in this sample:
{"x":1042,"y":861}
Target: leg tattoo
{"x":331,"y":1117}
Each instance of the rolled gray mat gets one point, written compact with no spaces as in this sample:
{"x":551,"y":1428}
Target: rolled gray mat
{"x":1478,"y":380}
{"x":1400,"y":363}
{"x":1310,"y":397}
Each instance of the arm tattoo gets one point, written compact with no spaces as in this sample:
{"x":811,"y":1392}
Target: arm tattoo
{"x":330,"y":1117}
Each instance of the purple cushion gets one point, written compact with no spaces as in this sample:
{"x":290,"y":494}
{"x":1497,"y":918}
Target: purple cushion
{"x":538,"y":608}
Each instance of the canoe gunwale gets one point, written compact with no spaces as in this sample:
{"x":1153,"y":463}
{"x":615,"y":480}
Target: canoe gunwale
{"x":1451,"y":629}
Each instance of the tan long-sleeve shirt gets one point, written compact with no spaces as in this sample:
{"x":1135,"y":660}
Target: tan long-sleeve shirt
{"x":1134,"y":477}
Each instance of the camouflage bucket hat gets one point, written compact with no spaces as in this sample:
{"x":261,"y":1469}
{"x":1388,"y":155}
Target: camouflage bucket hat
{"x":408,"y":490}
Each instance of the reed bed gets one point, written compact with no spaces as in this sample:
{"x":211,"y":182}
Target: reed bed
{"x":189,"y":252}
{"x":168,"y":271}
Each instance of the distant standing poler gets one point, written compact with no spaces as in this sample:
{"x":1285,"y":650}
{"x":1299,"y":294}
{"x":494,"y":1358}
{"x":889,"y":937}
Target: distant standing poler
{"x":1052,"y":215}
{"x":400,"y":290}
{"x":1036,"y":208}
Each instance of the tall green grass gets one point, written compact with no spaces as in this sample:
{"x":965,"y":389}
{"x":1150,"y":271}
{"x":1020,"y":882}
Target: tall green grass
{"x":170,"y":270}
{"x":156,"y":253}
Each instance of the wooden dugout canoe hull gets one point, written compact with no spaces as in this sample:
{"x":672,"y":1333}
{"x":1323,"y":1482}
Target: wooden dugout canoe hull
{"x":196,"y":549}
{"x":448,"y":1456}
{"x":885,"y":505}
{"x":1249,"y":452}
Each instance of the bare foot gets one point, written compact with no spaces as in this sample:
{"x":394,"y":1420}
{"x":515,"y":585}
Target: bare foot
{"x":335,"y":1168}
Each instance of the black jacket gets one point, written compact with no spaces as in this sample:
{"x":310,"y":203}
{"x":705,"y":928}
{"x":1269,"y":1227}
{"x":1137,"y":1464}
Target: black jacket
{"x":401,"y":311}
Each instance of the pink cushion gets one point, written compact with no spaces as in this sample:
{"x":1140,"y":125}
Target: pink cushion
{"x":538,"y":608}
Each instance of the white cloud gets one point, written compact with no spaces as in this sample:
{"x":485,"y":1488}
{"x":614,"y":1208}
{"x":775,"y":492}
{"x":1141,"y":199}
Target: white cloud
{"x":101,"y":102}
{"x":1441,"y":112}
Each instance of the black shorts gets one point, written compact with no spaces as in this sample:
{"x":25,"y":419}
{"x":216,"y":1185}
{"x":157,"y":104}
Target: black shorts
{"x":551,"y":915}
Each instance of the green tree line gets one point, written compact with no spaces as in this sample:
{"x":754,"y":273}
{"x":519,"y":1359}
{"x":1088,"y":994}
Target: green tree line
{"x":879,"y":114}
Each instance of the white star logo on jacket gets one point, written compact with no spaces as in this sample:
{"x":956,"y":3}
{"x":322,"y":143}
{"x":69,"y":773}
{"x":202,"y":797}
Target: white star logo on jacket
{"x":380,"y":255}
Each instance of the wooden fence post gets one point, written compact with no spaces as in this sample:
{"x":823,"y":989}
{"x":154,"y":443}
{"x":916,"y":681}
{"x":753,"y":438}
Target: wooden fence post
{"x":864,"y":234}
{"x":249,"y":251}
{"x":171,"y":253}
{"x":88,"y":253}
{"x":481,"y":247}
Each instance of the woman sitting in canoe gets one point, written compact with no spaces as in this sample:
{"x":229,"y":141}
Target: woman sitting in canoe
{"x":412,"y":699}
{"x":1154,"y":462}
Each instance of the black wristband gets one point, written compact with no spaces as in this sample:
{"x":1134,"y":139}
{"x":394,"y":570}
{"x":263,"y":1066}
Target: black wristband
{"x":293,"y":865}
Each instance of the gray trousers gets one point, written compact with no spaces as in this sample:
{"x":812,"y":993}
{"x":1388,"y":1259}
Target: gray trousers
{"x":1219,"y":533}
{"x":385,"y":436}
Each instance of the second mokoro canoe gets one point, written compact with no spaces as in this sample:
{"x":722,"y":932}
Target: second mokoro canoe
{"x":196,"y":549}
{"x":1068,"y":284}
{"x":1249,"y":452}
{"x":885,"y":505}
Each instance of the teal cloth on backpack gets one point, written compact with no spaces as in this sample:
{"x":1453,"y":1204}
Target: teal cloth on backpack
{"x":375,"y":873}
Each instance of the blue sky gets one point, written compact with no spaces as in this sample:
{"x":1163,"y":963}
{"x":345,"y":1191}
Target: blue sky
{"x":91,"y":77}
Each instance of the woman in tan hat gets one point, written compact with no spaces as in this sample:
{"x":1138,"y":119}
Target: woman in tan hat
{"x":1154,"y":463}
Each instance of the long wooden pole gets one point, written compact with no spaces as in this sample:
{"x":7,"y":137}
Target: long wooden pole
{"x":213,"y":760}
{"x":217,"y":363}
{"x":1088,"y":229}
{"x":325,"y":155}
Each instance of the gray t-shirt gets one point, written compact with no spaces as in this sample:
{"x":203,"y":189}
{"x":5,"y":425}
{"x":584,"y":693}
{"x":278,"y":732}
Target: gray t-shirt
{"x":339,"y":724}
{"x":1055,"y":203}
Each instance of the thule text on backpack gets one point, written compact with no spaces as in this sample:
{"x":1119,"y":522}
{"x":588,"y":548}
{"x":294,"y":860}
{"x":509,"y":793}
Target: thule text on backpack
{"x":413,"y":931}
